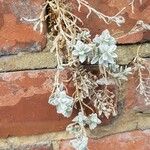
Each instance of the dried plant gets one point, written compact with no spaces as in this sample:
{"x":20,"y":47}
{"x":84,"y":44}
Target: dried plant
{"x":117,"y":18}
{"x":138,"y":27}
{"x":74,"y":48}
{"x":142,"y":68}
{"x":91,"y":89}
{"x":132,"y":3}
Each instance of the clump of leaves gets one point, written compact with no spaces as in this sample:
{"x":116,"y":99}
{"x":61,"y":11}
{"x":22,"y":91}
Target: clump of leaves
{"x":63,"y":102}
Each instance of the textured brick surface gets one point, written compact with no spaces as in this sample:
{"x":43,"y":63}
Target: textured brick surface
{"x":24,"y":107}
{"x":17,"y":35}
{"x":28,"y":61}
{"x":126,"y":53}
{"x":111,"y":8}
{"x":134,"y":140}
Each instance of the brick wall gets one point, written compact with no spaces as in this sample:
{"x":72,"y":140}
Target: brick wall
{"x":27,"y":71}
{"x":112,"y":7}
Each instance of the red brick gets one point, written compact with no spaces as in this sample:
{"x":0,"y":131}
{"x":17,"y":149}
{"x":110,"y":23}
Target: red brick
{"x":134,"y":38}
{"x":24,"y":108}
{"x":111,"y":8}
{"x":17,"y":35}
{"x":134,"y":140}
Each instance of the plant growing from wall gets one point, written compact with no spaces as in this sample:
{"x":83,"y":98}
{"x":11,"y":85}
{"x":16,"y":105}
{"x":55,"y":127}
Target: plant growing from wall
{"x":142,"y":68}
{"x":75,"y":49}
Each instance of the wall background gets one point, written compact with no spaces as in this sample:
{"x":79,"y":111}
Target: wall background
{"x":27,"y":72}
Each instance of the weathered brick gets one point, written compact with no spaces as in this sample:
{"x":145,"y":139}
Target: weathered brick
{"x":111,"y":8}
{"x":17,"y":35}
{"x":24,"y":107}
{"x":134,"y":140}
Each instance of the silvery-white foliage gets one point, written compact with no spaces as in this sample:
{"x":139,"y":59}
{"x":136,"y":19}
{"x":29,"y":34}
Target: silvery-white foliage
{"x":123,"y":73}
{"x":74,"y":129}
{"x":63,"y":102}
{"x":80,"y":143}
{"x":81,"y":50}
{"x":113,"y":67}
{"x":84,"y":35}
{"x":108,"y":55}
{"x":105,"y":55}
{"x":105,"y":47}
{"x":104,"y":39}
{"x":81,"y":119}
{"x":93,"y":121}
